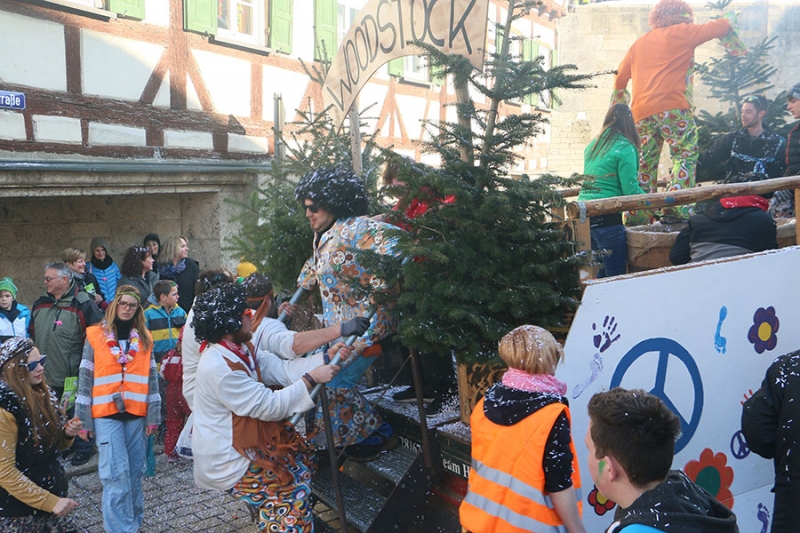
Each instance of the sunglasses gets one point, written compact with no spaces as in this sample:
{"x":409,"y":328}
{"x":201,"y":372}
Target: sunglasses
{"x":312,"y":207}
{"x":33,"y":364}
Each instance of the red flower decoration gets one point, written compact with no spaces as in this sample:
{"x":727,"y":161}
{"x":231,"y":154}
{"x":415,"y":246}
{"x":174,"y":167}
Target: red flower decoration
{"x":712,"y":473}
{"x":600,"y":503}
{"x":763,"y":331}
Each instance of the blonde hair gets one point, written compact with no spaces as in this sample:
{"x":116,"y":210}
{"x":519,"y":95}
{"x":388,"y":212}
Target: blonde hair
{"x":110,"y":325}
{"x":72,"y":255}
{"x":170,"y":249}
{"x":531,"y":349}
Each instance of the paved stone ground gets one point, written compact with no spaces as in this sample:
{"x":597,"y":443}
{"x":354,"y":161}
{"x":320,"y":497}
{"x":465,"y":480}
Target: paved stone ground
{"x":172,"y":502}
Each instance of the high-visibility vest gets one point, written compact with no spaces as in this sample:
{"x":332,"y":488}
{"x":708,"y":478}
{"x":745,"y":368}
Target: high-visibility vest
{"x":506,"y":483}
{"x":132,"y":381}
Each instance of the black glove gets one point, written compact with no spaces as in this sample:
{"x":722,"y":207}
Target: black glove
{"x":356,"y":326}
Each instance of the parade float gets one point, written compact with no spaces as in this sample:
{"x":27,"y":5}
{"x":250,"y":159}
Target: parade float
{"x":700,"y":336}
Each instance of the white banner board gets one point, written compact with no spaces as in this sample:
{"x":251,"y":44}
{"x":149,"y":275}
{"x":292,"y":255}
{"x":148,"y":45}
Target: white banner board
{"x":700,"y":337}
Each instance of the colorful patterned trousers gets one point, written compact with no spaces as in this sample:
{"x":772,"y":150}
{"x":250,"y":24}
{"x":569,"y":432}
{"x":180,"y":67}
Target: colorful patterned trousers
{"x":678,"y":129}
{"x":281,"y":508}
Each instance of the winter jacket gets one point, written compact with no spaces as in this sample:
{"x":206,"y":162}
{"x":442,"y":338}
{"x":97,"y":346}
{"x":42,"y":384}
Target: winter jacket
{"x":31,"y":473}
{"x":144,"y":284}
{"x":743,"y":154}
{"x":107,"y":277}
{"x":771,"y":418}
{"x":89,"y":283}
{"x":614,"y":172}
{"x":185,"y":280}
{"x":793,"y":152}
{"x":165,"y":327}
{"x":59,"y":330}
{"x":228,"y":391}
{"x":15,"y":321}
{"x":676,"y":505}
{"x":720,"y":232}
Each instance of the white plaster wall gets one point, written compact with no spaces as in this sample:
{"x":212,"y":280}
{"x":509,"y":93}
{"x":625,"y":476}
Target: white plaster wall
{"x":156,"y":12}
{"x":113,"y":134}
{"x":290,"y":85}
{"x":245,"y":143}
{"x":192,"y":100}
{"x":115,"y":67}
{"x":227,"y":80}
{"x":197,"y":140}
{"x":544,"y":34}
{"x":162,"y":97}
{"x":32,"y":52}
{"x":303,"y":30}
{"x":370,"y":101}
{"x":413,"y":111}
{"x":12,"y":126}
{"x":56,"y":129}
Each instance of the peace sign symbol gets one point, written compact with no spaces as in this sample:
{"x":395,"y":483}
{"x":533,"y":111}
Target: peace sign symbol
{"x":739,"y":447}
{"x":665,"y":348}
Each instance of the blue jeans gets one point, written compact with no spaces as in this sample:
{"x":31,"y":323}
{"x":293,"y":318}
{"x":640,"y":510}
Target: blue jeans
{"x":121,"y":444}
{"x":611,"y":239}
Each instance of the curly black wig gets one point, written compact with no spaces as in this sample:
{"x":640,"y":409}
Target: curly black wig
{"x":257,"y":285}
{"x":336,"y":189}
{"x":218,"y":312}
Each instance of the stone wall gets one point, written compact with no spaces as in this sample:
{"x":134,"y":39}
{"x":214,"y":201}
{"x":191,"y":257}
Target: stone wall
{"x":595,"y":38}
{"x":35,"y":229}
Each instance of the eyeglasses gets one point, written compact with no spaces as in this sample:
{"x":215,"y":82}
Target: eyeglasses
{"x":312,"y":207}
{"x":48,"y":280}
{"x":758,"y":100}
{"x":127,"y":305}
{"x":33,"y":364}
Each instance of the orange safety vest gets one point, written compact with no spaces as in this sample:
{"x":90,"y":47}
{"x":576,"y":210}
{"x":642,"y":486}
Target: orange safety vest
{"x":506,"y":482}
{"x":110,"y":377}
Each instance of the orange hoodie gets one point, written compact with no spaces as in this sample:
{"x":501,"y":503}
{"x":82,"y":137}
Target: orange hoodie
{"x":658,"y":63}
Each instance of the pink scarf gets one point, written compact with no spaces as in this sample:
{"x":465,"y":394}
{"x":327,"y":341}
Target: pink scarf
{"x":521,"y":380}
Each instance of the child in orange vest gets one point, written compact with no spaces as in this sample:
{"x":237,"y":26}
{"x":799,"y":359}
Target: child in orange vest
{"x":521,"y":438}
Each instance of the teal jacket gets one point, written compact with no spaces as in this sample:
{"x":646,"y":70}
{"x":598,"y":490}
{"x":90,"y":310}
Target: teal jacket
{"x":164,"y":327}
{"x":614,"y":172}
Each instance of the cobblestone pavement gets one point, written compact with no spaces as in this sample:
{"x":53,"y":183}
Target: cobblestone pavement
{"x":172,"y":502}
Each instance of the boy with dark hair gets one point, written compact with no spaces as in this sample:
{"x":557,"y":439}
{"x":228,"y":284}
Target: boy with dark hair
{"x":631,"y":442}
{"x":165,"y":321}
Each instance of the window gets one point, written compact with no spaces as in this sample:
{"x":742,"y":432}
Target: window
{"x":347,"y":11}
{"x":241,"y":20}
{"x":126,"y":8}
{"x":244,"y":22}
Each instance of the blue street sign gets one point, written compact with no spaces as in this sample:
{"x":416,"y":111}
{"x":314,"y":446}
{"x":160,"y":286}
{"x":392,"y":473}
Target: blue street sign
{"x":11,"y":100}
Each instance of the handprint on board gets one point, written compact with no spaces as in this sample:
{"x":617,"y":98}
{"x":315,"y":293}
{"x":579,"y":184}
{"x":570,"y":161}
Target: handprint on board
{"x":605,"y":338}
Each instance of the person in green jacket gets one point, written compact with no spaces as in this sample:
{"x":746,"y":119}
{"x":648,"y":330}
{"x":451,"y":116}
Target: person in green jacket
{"x":611,"y":167}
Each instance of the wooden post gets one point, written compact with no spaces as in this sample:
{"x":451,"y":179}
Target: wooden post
{"x":355,"y":137}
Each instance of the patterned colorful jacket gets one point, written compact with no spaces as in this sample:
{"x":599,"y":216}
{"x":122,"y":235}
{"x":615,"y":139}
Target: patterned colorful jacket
{"x":333,"y":266}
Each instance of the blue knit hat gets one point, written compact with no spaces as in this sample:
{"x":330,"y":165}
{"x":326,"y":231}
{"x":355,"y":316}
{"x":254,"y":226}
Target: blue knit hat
{"x":794,"y":92}
{"x":7,"y":284}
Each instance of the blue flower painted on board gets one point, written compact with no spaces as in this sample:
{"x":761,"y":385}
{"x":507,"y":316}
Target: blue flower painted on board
{"x":763,"y":331}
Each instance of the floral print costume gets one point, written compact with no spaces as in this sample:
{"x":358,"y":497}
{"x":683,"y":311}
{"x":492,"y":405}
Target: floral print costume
{"x":333,"y":266}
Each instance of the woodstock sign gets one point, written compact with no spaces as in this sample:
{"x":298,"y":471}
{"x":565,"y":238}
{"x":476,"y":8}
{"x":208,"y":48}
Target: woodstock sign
{"x":385,"y":29}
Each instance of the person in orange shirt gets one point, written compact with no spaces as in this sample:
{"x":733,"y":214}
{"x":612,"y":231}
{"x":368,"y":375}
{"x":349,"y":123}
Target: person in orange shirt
{"x":660,"y":64}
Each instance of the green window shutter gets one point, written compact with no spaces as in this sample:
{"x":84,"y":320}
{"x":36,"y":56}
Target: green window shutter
{"x":200,"y":16}
{"x":325,"y":31}
{"x":498,"y":40}
{"x":130,"y":8}
{"x":530,"y":52}
{"x":396,"y":67}
{"x":281,"y":25}
{"x":554,"y":63}
{"x":437,"y":74}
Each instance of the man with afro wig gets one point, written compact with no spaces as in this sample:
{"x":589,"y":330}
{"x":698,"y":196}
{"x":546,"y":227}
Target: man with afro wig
{"x":335,"y":203}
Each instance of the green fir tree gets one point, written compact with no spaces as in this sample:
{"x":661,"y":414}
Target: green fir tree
{"x":495,"y":257}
